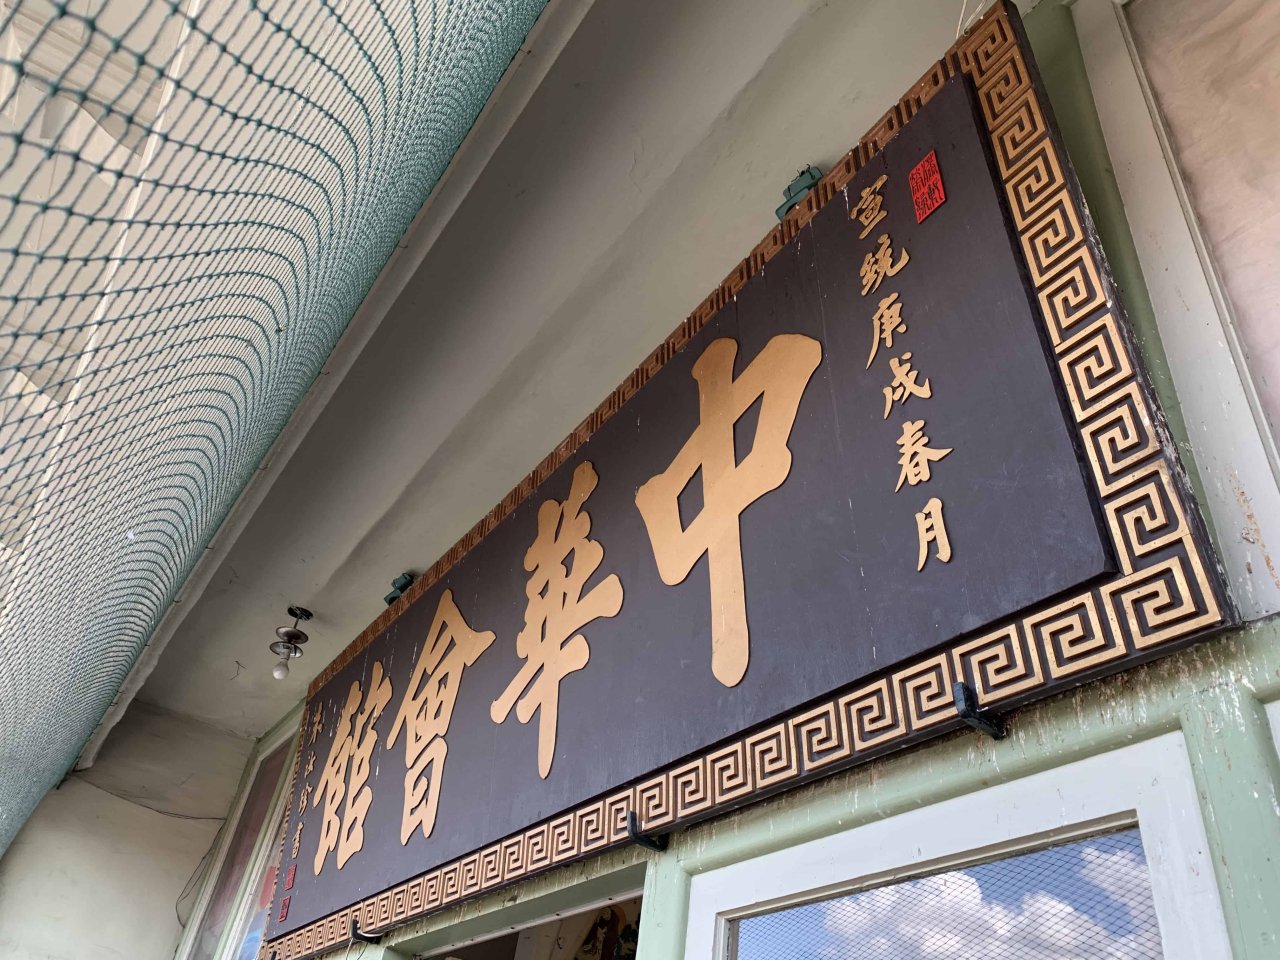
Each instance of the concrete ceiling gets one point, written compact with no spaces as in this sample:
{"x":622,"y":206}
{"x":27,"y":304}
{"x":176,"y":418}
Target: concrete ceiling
{"x":646,"y":164}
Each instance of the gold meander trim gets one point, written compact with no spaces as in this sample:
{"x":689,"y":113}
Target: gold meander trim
{"x":1165,"y":590}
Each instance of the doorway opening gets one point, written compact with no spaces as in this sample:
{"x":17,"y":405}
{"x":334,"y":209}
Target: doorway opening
{"x":606,"y":932}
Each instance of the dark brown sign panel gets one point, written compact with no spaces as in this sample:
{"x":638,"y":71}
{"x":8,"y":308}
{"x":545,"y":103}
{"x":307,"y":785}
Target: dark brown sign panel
{"x":912,"y":449}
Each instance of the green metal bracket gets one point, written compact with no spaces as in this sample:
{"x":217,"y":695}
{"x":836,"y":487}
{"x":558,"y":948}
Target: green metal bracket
{"x":398,"y":586}
{"x":797,"y":189}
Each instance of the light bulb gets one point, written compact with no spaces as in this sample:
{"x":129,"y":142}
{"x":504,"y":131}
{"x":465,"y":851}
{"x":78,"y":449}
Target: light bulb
{"x":281,"y":669}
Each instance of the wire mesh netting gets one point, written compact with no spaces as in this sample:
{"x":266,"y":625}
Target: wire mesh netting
{"x":195,"y":196}
{"x":1080,"y":901}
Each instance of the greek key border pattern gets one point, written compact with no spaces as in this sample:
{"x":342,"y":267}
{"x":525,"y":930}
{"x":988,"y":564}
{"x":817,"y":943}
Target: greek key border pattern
{"x":1165,"y":591}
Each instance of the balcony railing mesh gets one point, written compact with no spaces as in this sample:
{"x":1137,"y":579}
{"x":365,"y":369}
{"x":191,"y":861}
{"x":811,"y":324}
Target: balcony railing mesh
{"x":195,"y":197}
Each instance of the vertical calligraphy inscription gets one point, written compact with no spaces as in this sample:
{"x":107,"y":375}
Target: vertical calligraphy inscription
{"x":316,"y":725}
{"x":915,"y":455}
{"x":905,"y":384}
{"x":869,"y":210}
{"x":886,"y":322}
{"x":931,"y":528}
{"x":880,"y":264}
{"x":777,"y":377}
{"x":549,"y":643}
{"x":450,"y":647}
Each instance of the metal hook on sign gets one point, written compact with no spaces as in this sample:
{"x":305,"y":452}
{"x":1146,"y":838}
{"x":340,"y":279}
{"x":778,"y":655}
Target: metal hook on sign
{"x":362,"y":937}
{"x":966,"y":701}
{"x":650,"y":842}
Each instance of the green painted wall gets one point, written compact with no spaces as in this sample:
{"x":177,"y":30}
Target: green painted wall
{"x":1214,"y":693}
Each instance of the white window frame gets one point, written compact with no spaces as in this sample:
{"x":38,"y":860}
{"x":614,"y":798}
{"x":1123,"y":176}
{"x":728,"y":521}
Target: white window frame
{"x":266,"y":848}
{"x":1149,"y":784}
{"x":264,"y":845}
{"x":1273,"y":721}
{"x":1233,"y":446}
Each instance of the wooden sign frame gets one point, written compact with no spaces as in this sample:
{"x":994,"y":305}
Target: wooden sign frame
{"x":1167,"y":592}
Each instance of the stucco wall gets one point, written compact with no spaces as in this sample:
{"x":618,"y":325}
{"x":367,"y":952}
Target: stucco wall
{"x":97,"y":870}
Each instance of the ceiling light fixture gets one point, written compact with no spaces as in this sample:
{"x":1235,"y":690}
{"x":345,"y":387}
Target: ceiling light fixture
{"x":289,"y":645}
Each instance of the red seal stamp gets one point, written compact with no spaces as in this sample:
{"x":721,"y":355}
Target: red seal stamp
{"x":926,"y":186}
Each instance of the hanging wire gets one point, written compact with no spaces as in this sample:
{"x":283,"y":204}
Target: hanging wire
{"x":967,"y":19}
{"x":195,"y":196}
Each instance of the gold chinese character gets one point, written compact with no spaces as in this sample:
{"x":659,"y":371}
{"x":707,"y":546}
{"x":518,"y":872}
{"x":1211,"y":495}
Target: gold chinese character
{"x":904,"y":384}
{"x":450,"y":646}
{"x":311,"y":763}
{"x":297,"y":842}
{"x":916,"y":455}
{"x":779,"y":375}
{"x":879,"y":264}
{"x":931,"y":528}
{"x":317,"y":723}
{"x":303,"y":798}
{"x":549,"y":643}
{"x":344,"y":780}
{"x":886,"y":322}
{"x":869,"y":209}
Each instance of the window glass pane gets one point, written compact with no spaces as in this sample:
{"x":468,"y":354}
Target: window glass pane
{"x":247,"y":830}
{"x":251,"y":939}
{"x":1081,"y":900}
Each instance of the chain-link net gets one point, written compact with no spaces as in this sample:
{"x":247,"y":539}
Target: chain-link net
{"x":1089,"y":900}
{"x":195,"y":196}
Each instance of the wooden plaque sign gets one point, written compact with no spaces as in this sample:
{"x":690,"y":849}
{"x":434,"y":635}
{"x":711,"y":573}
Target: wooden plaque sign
{"x":906,"y":444}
